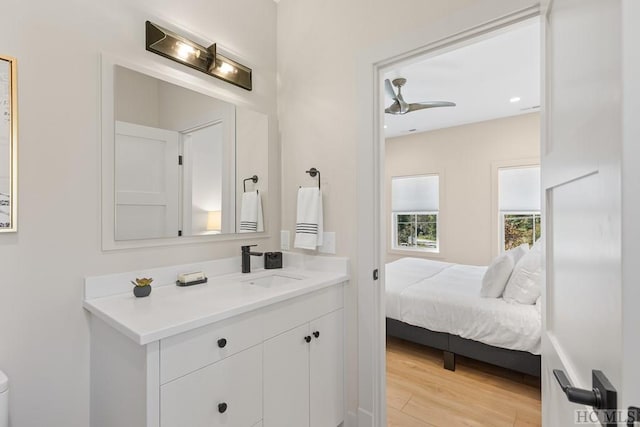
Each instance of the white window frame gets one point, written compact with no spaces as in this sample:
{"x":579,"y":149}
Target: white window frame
{"x":497,"y":234}
{"x":501,"y":225}
{"x":394,"y":232}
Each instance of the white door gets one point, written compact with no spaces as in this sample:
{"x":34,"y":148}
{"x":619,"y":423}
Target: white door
{"x":326,"y":399}
{"x":286,"y":379}
{"x":146,"y":182}
{"x":584,"y":316}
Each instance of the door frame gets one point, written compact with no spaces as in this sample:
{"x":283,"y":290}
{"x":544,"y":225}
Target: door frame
{"x":459,"y":28}
{"x":631,"y":203}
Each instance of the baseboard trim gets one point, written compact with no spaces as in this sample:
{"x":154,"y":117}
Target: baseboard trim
{"x":365,"y":418}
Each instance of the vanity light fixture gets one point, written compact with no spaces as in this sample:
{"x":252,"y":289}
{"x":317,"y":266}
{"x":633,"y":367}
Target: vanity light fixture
{"x":205,"y":59}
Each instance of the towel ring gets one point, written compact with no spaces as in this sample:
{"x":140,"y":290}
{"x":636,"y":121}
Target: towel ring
{"x":254,"y":178}
{"x":313,"y":172}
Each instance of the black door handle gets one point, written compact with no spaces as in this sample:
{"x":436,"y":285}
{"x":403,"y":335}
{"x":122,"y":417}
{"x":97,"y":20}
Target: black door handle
{"x":316,"y":334}
{"x":577,"y":395}
{"x":601,"y":397}
{"x":307,"y":338}
{"x":222,"y":407}
{"x":222,"y":342}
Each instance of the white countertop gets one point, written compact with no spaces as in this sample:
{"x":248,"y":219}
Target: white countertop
{"x":171,"y":309}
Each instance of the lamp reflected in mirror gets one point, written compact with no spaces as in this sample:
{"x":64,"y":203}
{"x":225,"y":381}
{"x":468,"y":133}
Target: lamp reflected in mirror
{"x":214,"y":222}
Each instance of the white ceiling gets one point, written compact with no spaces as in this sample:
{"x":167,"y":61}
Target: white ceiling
{"x":480,"y":78}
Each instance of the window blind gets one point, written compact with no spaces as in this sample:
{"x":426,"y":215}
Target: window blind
{"x":415,"y":193}
{"x":519,"y":189}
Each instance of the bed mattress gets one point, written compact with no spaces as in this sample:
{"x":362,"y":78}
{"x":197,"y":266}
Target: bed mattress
{"x":445,"y":297}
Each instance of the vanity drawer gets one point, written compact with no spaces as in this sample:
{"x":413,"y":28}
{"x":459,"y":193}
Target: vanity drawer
{"x":186,"y":352}
{"x":227,"y":393}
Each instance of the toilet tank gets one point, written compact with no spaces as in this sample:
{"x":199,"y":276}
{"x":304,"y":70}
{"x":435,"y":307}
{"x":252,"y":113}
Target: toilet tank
{"x":4,"y":400}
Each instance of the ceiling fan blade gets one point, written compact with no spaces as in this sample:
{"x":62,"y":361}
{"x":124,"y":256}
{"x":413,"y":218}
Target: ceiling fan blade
{"x":394,"y":109}
{"x":430,"y":104}
{"x":389,"y":90}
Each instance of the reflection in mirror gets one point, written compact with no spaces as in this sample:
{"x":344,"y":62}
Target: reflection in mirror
{"x":8,"y":144}
{"x":176,"y":171}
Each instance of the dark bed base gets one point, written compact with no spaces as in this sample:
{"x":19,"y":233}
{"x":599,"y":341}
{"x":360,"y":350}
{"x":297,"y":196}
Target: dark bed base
{"x":451,"y":345}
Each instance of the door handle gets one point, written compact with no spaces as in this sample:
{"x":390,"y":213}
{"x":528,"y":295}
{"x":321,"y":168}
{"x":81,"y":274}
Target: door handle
{"x":602,"y":396}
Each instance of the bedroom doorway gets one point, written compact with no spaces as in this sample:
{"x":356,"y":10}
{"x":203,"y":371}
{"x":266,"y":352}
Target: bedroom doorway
{"x":590,"y":202}
{"x":461,"y":182}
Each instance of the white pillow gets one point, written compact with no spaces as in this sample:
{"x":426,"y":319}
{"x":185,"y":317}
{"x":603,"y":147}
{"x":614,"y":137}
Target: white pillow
{"x":497,"y":275}
{"x":525,"y":284}
{"x":519,"y":252}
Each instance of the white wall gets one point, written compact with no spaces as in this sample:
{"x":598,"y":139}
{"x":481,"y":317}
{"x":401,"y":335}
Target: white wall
{"x":466,"y":158}
{"x":136,"y":98}
{"x":321,"y":45}
{"x":251,"y":150}
{"x":44,"y":332}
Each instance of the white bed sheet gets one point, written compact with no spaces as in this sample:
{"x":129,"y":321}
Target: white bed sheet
{"x":445,"y":297}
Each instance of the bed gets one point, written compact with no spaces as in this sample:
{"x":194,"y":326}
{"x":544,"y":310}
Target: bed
{"x":438,"y":304}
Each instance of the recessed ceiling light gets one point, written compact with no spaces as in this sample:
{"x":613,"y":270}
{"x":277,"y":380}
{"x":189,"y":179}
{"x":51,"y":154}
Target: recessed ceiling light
{"x":385,"y":126}
{"x":514,"y":99}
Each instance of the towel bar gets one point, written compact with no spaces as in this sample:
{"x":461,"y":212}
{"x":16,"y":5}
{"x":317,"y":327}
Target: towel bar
{"x":253,"y":178}
{"x":313,"y":172}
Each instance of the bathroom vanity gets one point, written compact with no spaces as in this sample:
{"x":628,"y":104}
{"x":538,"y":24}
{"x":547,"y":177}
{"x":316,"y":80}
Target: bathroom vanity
{"x":259,"y":349}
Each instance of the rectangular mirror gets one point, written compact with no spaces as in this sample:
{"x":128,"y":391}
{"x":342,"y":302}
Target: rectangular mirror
{"x":176,"y":161}
{"x":8,"y":144}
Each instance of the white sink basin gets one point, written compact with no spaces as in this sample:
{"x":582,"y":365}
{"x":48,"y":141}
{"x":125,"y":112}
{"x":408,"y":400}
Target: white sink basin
{"x":271,"y":280}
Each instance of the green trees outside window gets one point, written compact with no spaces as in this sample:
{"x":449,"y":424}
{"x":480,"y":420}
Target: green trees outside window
{"x":520,"y":228}
{"x":416,"y":230}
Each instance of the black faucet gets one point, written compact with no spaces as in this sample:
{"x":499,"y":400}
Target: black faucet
{"x":246,"y":258}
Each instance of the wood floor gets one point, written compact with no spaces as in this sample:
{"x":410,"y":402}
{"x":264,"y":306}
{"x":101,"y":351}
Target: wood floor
{"x":421,"y":393}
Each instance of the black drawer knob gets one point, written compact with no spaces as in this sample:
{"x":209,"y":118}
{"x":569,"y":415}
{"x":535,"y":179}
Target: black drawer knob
{"x":222,"y":407}
{"x":222,"y":342}
{"x":316,"y":334}
{"x":307,"y":338}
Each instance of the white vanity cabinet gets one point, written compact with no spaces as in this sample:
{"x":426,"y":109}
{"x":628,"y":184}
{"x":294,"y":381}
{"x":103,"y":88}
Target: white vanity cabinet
{"x":248,"y":370}
{"x":303,"y":375}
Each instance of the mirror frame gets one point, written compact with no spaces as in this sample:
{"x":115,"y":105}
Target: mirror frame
{"x":171,"y":75}
{"x":13,"y":143}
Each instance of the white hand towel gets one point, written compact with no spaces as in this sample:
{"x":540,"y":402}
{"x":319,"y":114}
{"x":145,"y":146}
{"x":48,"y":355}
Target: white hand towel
{"x":251,"y":220}
{"x":309,"y":223}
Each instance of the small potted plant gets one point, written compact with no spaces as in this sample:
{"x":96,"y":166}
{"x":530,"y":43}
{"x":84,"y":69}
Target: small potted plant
{"x":142,"y":287}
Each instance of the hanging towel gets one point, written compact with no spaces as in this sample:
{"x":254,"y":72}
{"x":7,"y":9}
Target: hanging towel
{"x":309,"y":225}
{"x":251,"y":220}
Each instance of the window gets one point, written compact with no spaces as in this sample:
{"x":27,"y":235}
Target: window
{"x":414,"y":219}
{"x":520,"y":228}
{"x":519,"y":206}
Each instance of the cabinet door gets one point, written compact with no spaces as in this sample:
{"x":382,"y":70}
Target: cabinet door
{"x":227,"y":393}
{"x":326,"y":371}
{"x":286,"y":379}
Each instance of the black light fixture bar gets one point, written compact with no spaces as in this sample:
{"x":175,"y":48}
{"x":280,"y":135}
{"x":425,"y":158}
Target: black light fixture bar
{"x":232,"y":72}
{"x":205,"y":59}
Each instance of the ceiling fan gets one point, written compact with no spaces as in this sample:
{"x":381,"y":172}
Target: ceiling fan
{"x":400,"y":106}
